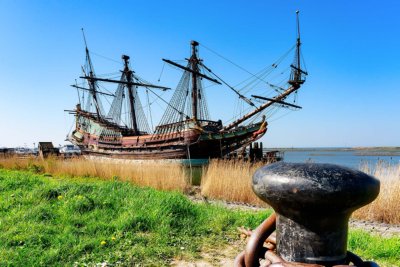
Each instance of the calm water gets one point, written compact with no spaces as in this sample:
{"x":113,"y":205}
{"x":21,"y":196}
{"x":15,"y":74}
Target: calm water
{"x":349,"y":158}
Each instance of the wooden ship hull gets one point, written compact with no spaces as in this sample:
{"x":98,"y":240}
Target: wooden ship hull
{"x":191,"y":143}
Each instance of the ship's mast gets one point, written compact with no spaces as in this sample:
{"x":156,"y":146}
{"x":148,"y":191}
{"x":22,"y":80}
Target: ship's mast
{"x":298,"y":43}
{"x":295,"y":82}
{"x":92,"y":86}
{"x":194,"y":63}
{"x":194,"y":69}
{"x":129,"y":78}
{"x":131,"y":82}
{"x":296,"y":66}
{"x":91,"y":80}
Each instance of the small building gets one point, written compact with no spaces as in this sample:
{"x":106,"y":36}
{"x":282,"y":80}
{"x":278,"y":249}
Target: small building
{"x":4,"y":152}
{"x":46,"y":149}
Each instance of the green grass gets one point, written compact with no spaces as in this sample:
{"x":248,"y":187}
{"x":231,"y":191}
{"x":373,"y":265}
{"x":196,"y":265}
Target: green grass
{"x":47,"y":221}
{"x":385,"y":251}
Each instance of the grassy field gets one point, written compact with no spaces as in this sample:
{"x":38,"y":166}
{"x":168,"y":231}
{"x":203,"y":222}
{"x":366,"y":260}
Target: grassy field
{"x":225,"y":180}
{"x":47,"y":221}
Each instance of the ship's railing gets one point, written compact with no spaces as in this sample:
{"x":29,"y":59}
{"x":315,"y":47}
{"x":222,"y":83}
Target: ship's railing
{"x":206,"y":125}
{"x":243,"y":127}
{"x":211,"y":125}
{"x":109,"y":124}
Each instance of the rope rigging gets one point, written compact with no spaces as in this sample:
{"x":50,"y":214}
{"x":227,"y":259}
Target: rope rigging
{"x":188,"y":101}
{"x":149,"y":110}
{"x":248,"y":101}
{"x":162,"y":70}
{"x":252,"y":82}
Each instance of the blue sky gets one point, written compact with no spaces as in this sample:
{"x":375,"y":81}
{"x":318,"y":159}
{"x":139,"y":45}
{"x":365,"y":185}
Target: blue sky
{"x":351,"y":50}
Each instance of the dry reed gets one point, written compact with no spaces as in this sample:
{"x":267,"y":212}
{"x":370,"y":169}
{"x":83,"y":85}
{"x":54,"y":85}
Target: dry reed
{"x":231,"y":181}
{"x":386,"y":208}
{"x":157,"y":175}
{"x":225,"y":180}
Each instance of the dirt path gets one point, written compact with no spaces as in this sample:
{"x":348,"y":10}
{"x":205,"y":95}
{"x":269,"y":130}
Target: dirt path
{"x":215,"y":256}
{"x":381,"y":229}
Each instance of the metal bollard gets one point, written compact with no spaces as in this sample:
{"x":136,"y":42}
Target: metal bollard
{"x":313,"y":203}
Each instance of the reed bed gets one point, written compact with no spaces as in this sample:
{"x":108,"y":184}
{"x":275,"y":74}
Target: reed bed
{"x":223,"y":180}
{"x":230,"y":181}
{"x":386,"y":208}
{"x":170,"y":177}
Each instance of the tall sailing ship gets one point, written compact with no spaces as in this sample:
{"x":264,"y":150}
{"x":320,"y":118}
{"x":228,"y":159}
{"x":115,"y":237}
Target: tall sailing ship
{"x":185,"y":130}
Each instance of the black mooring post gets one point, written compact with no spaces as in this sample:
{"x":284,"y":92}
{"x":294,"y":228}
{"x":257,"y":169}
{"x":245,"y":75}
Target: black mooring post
{"x":313,"y":203}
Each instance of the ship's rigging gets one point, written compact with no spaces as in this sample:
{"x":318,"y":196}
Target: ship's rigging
{"x":187,"y":114}
{"x":189,"y":101}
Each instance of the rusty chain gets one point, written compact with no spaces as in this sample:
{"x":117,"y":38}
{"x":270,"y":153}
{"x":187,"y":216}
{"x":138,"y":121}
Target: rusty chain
{"x":261,"y":250}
